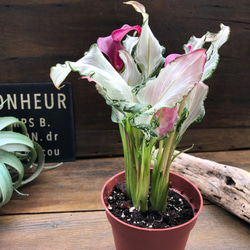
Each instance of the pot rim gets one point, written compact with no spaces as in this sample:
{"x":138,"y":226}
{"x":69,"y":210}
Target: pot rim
{"x":196,"y":213}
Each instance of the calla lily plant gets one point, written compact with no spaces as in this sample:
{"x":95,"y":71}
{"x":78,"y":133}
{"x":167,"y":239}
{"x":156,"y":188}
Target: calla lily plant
{"x":154,"y":99}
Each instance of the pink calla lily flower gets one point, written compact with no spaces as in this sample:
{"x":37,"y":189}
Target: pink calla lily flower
{"x":111,"y":45}
{"x":168,"y":119}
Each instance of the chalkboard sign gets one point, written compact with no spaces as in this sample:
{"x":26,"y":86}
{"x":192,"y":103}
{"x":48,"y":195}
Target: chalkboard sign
{"x":47,"y":113}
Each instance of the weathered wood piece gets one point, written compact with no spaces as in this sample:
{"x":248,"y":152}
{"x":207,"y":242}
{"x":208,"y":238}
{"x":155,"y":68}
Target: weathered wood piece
{"x":226,"y":186}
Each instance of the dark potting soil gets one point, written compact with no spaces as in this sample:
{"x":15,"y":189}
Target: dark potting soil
{"x":178,"y":210}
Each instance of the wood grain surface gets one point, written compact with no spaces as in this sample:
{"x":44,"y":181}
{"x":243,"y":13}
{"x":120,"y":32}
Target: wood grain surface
{"x":215,"y":230}
{"x":64,"y":210}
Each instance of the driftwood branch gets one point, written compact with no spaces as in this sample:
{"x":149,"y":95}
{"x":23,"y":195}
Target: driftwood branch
{"x":226,"y":186}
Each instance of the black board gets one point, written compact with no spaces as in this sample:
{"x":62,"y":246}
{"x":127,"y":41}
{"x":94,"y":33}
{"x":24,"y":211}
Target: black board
{"x":47,"y":113}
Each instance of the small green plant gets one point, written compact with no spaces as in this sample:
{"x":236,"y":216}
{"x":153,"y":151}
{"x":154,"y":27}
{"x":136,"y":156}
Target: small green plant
{"x":18,"y":154}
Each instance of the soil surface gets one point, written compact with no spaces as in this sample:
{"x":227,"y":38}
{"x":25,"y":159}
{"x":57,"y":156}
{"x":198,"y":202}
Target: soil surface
{"x":178,"y":210}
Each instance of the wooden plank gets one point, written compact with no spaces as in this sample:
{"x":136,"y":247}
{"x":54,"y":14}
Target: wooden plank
{"x":56,"y":231}
{"x":91,"y":230}
{"x":61,"y":211}
{"x":216,"y":139}
{"x":217,"y":230}
{"x":108,"y":143}
{"x":237,"y":158}
{"x":76,"y":186}
{"x":44,"y":33}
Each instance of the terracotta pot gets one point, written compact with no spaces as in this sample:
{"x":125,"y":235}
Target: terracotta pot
{"x":131,"y":237}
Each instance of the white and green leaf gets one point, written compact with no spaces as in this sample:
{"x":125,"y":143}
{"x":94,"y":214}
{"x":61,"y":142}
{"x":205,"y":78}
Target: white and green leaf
{"x":195,"y":106}
{"x":148,"y":51}
{"x":216,"y":40}
{"x":95,"y":67}
{"x":130,"y":73}
{"x":129,"y":43}
{"x":139,"y":8}
{"x":174,"y":82}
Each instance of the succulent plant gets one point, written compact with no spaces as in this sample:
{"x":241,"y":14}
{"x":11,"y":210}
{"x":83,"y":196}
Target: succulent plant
{"x":18,"y":154}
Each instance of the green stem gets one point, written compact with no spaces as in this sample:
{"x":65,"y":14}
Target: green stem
{"x":143,"y":177}
{"x":160,"y":183}
{"x":127,"y":158}
{"x":137,"y":159}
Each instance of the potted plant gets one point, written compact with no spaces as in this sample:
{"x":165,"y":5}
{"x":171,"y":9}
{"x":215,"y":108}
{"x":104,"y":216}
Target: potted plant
{"x":18,"y":154}
{"x":154,"y":99}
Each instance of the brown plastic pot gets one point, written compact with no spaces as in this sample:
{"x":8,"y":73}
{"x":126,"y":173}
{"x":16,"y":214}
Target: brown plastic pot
{"x":131,"y":237}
